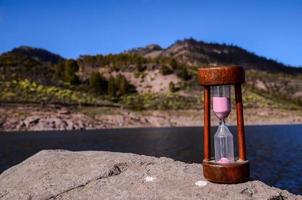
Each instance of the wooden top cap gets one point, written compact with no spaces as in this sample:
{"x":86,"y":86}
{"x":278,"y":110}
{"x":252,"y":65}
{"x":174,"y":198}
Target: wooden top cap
{"x":221,"y":75}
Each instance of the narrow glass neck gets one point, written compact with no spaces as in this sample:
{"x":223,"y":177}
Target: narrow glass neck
{"x":221,"y":122}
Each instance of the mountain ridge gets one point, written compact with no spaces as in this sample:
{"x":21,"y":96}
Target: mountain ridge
{"x":187,"y":51}
{"x":200,"y":53}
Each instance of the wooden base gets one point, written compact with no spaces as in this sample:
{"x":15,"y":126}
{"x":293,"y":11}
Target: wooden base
{"x":236,"y":172}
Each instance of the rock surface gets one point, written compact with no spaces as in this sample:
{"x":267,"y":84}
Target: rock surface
{"x":56,"y":174}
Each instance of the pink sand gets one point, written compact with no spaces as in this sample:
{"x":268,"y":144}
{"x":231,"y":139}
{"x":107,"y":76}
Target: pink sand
{"x":224,"y":160}
{"x":221,"y":106}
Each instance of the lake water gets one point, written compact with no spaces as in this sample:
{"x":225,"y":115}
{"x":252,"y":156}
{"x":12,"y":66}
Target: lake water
{"x":275,"y":151}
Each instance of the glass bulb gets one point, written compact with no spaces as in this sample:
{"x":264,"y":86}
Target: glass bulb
{"x":221,"y":101}
{"x":223,"y":142}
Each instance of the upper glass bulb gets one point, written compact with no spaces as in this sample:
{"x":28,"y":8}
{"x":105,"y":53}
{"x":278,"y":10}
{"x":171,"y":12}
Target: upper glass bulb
{"x":221,"y":101}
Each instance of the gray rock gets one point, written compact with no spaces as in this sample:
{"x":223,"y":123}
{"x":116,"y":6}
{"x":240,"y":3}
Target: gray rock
{"x":106,"y":175}
{"x":2,"y":120}
{"x":31,"y":120}
{"x":40,"y":123}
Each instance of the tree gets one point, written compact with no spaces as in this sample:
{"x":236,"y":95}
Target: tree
{"x":122,"y":85}
{"x":140,"y":63}
{"x":60,"y":70}
{"x":111,"y":87}
{"x":66,"y":71}
{"x":172,"y":87}
{"x":165,"y":70}
{"x":184,"y":74}
{"x":174,"y":64}
{"x":71,"y":67}
{"x":74,"y":80}
{"x":141,"y":67}
{"x":98,"y":83}
{"x":119,"y":86}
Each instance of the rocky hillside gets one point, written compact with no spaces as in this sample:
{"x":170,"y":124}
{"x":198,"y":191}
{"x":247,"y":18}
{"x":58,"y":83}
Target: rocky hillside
{"x":265,"y":76}
{"x":143,"y":78}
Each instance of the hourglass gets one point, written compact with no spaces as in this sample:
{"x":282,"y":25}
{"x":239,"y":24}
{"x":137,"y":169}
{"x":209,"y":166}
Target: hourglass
{"x":224,"y":167}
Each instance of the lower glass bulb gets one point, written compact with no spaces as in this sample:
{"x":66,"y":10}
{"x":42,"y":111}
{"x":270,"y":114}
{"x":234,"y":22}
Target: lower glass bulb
{"x":224,"y":146}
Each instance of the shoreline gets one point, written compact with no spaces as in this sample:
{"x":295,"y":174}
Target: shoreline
{"x":145,"y":127}
{"x":54,"y":117}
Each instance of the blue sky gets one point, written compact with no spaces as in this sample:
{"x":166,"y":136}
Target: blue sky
{"x":272,"y":28}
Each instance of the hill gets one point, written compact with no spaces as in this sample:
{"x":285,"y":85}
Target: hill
{"x":137,"y":78}
{"x":27,"y":62}
{"x":38,"y":54}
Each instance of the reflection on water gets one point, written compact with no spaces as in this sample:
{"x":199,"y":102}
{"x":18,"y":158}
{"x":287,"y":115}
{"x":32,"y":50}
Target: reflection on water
{"x":275,"y":152}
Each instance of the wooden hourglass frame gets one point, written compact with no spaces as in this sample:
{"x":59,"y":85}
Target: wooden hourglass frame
{"x":237,"y":171}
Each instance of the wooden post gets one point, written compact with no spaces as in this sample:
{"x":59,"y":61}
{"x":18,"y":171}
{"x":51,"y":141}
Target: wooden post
{"x":240,"y":122}
{"x":207,"y":124}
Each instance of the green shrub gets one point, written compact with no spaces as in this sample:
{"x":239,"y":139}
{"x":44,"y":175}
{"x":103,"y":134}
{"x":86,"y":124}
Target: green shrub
{"x":32,"y":92}
{"x":165,"y":70}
